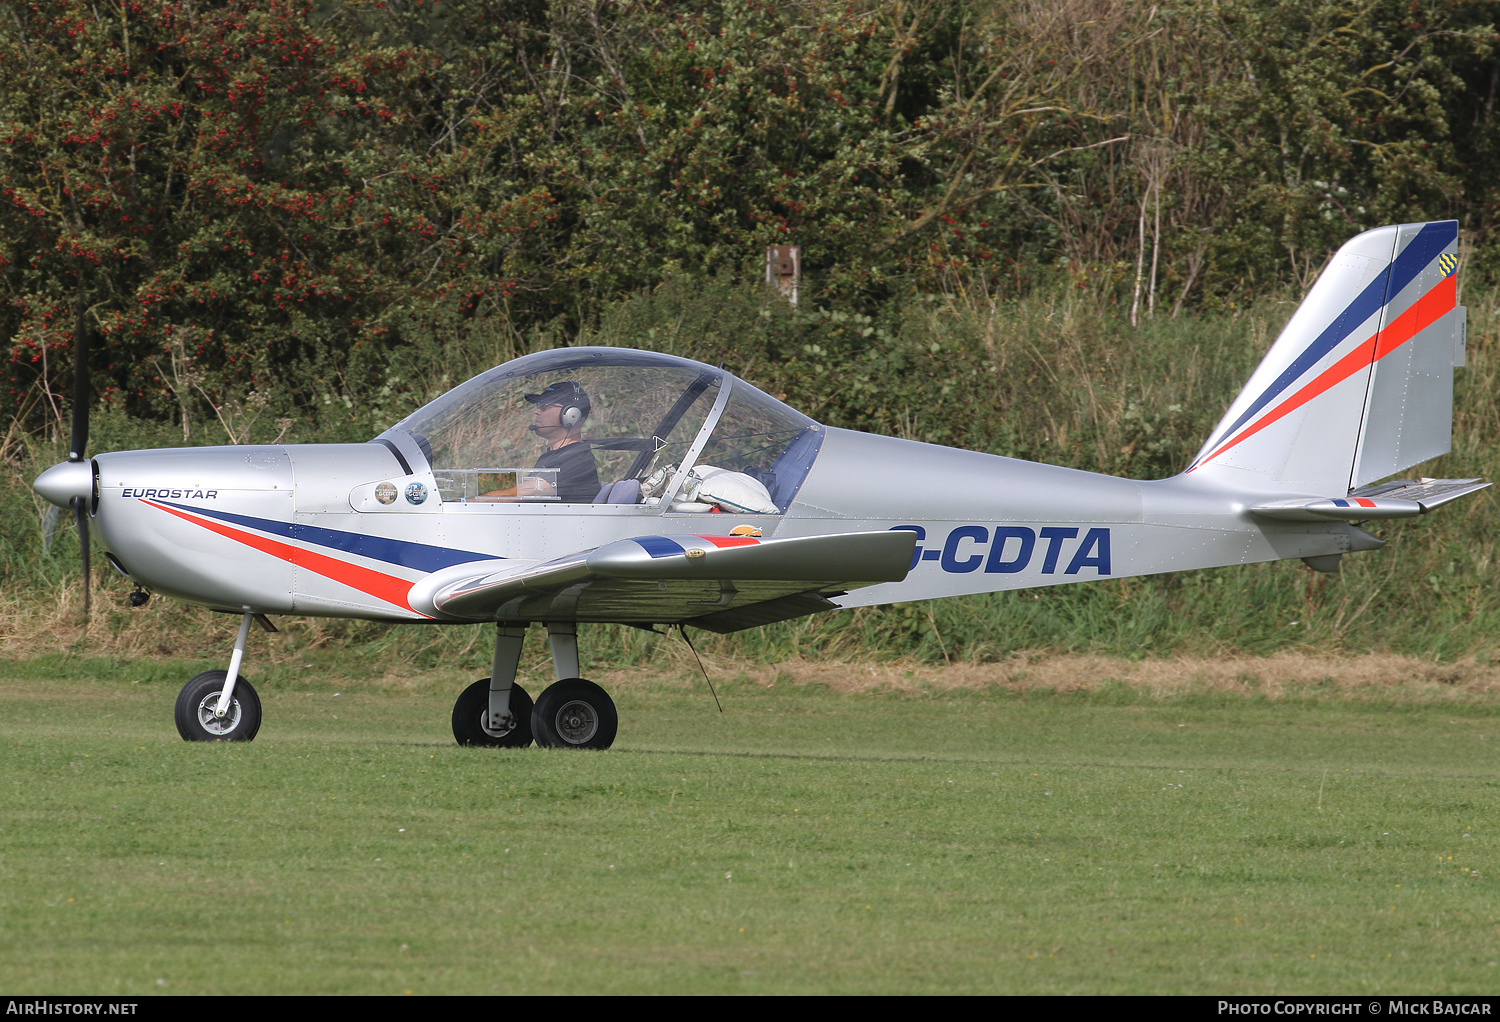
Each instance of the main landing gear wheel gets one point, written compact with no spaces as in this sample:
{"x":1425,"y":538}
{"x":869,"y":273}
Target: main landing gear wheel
{"x":200,"y":697}
{"x":575,"y":714}
{"x":471,"y":718}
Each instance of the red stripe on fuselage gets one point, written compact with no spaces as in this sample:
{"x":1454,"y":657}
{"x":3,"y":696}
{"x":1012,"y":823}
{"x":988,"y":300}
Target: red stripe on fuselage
{"x":1423,"y":312}
{"x":384,"y":587}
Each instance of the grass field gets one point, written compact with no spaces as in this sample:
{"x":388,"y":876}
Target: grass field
{"x":807,"y":840}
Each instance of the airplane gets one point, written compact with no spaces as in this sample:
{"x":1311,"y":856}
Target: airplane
{"x":673,"y":492}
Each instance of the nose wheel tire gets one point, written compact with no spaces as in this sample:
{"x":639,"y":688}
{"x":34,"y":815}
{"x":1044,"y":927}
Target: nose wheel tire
{"x":471,"y":718}
{"x":575,"y":714}
{"x":199,"y":698}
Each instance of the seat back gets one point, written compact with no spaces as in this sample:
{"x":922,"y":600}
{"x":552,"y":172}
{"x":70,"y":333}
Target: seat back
{"x":622,"y":491}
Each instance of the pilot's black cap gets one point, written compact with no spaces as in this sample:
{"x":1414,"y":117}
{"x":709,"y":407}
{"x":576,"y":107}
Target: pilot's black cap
{"x":568,"y":392}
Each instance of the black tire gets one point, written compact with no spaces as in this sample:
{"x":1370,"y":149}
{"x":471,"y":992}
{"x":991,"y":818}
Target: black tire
{"x":195,"y":710}
{"x":471,"y":718}
{"x":575,"y":714}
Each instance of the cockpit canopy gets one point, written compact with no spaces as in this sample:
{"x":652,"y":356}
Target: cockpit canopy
{"x":647,"y":417}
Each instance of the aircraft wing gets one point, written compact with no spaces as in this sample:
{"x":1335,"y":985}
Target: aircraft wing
{"x":722,"y":583}
{"x":1404,"y":498}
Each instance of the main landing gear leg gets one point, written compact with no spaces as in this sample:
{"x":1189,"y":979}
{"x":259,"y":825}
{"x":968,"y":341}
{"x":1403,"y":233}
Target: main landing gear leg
{"x":495,"y":711}
{"x":562,"y":636}
{"x":219,"y":706}
{"x":508,"y":642}
{"x":572,"y":713}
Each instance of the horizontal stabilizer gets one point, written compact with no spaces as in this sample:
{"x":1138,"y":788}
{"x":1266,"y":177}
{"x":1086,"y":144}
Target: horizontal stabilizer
{"x":1401,"y":499}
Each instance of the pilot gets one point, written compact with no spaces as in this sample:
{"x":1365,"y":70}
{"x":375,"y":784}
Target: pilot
{"x":558,"y":419}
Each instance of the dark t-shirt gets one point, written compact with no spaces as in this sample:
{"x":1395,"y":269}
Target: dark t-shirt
{"x":577,"y":476}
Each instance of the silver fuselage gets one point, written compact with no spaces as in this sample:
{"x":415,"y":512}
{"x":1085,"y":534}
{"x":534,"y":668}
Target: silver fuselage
{"x":294,"y":530}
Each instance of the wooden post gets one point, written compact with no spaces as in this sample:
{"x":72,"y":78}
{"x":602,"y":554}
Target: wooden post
{"x":784,"y":269}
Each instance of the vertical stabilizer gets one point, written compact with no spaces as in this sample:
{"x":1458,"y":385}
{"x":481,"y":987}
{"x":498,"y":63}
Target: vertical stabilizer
{"x":1359,"y":384}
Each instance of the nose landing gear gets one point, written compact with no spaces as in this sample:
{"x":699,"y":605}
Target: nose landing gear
{"x":220,"y":706}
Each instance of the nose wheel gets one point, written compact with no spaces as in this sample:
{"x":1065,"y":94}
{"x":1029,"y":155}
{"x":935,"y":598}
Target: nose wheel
{"x":197,"y":710}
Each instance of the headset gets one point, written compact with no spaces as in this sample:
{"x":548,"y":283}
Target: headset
{"x":572,"y":402}
{"x":572,"y":413}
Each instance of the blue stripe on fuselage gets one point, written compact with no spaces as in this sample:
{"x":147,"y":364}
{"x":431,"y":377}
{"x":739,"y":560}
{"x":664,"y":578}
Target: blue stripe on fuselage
{"x":419,"y":556}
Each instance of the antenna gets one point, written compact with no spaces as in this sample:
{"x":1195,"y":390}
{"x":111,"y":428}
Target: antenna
{"x":681,"y":628}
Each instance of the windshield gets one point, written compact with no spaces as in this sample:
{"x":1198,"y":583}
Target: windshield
{"x":764,"y":439}
{"x":525,"y":430}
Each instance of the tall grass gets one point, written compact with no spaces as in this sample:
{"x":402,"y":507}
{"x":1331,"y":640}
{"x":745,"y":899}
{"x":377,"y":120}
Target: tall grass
{"x":1053,"y":377}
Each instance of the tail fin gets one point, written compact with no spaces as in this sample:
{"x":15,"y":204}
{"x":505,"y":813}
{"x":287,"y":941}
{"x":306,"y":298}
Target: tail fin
{"x":1360,"y":383}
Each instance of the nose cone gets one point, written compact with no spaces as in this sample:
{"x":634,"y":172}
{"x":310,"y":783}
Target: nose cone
{"x":61,"y":483}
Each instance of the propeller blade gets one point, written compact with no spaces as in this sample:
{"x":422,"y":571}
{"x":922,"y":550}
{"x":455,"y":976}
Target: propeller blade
{"x":79,"y":442}
{"x":81,"y":515}
{"x":80,"y":439}
{"x":50,"y":518}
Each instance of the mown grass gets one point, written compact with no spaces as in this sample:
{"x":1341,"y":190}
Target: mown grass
{"x":806,"y":840}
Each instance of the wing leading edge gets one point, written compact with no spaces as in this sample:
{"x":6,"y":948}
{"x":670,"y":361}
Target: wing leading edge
{"x":722,"y":583}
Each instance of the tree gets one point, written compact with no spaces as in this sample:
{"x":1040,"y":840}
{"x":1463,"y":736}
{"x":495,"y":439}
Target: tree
{"x":231,"y":188}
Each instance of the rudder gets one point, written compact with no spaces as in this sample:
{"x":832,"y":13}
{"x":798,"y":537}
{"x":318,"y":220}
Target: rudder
{"x":1408,"y":414}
